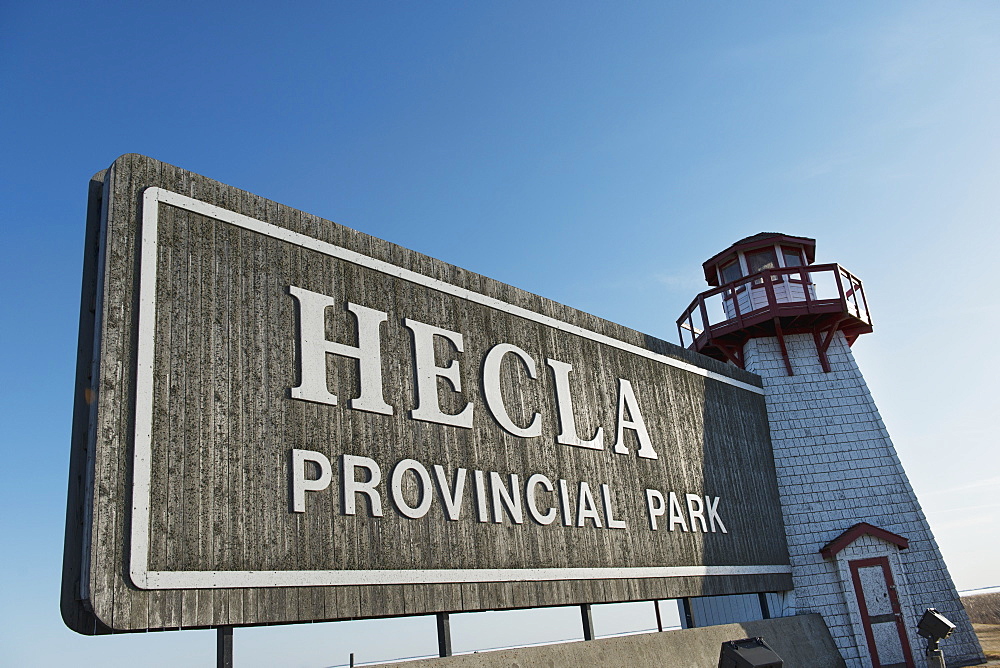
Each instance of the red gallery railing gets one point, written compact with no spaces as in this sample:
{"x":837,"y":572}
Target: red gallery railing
{"x":791,"y":300}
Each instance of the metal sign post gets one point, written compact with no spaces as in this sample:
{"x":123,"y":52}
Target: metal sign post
{"x":444,"y":634}
{"x":588,"y":621}
{"x":224,"y":647}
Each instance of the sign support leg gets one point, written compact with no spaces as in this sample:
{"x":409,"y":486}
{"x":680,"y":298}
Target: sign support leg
{"x":444,"y":634}
{"x":588,"y":622}
{"x":688,"y":616}
{"x":224,"y":647}
{"x":659,"y":619}
{"x":764,"y":610}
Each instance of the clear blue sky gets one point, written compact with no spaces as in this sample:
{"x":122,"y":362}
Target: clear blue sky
{"x":593,"y":153}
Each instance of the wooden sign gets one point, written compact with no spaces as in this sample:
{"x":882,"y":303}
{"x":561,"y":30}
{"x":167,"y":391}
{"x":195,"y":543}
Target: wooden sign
{"x":281,"y":419}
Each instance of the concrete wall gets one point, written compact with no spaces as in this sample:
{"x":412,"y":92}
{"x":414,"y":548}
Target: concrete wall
{"x":802,"y":641}
{"x":837,"y":467}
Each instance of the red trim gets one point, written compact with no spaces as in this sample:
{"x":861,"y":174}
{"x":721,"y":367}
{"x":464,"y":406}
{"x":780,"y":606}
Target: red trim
{"x":890,"y":585}
{"x":805,"y":315}
{"x":865,"y":619}
{"x":805,"y":245}
{"x":823,"y":344}
{"x":781,"y":343}
{"x":733,"y":354}
{"x":857,"y":531}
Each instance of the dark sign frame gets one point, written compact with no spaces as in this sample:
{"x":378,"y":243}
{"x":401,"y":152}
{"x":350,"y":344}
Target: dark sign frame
{"x":491,"y":449}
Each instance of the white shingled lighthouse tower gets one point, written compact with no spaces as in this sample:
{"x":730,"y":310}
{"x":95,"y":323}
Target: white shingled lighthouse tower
{"x":861,"y":550}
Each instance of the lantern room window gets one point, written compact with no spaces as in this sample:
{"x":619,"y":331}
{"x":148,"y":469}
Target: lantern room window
{"x":791,"y":256}
{"x":730,"y":272}
{"x":761,"y":259}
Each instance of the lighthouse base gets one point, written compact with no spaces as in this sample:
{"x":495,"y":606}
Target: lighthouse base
{"x":862,"y":553}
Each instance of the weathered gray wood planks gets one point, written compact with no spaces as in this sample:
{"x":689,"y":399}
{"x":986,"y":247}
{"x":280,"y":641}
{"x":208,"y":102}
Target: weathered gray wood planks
{"x":225,"y":333}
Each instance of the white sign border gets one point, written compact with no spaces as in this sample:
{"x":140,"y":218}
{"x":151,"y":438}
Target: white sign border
{"x":139,"y":571}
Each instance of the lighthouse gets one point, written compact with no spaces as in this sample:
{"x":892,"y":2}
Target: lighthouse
{"x":862,"y":553}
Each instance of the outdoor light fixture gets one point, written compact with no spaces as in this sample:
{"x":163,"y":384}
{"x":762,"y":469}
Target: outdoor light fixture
{"x":748,"y":653}
{"x":935,"y":627}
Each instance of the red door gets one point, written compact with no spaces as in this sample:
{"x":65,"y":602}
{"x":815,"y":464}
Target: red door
{"x":880,"y":613}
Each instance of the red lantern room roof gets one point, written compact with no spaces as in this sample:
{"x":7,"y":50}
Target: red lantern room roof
{"x":751,"y":243}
